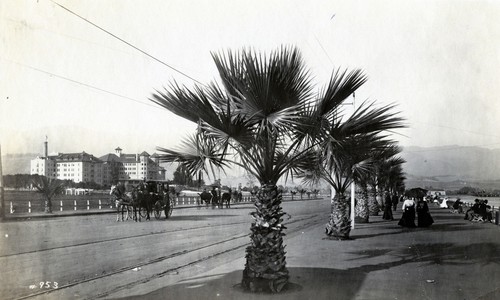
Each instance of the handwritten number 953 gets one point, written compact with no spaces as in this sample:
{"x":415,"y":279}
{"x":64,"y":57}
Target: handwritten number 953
{"x":47,"y":285}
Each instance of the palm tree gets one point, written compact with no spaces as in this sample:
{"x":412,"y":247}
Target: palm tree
{"x":48,"y":187}
{"x":264,"y":118}
{"x":376,"y":179}
{"x":342,"y":163}
{"x":364,"y":201}
{"x":391,"y":174}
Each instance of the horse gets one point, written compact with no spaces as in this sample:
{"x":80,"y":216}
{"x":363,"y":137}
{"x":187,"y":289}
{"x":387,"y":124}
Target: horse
{"x":237,"y":195}
{"x":226,"y":198}
{"x":145,"y":200}
{"x":123,"y":201}
{"x":206,"y":196}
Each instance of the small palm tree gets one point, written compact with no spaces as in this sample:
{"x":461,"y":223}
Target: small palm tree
{"x":362,"y":210}
{"x":342,"y":164}
{"x":375,"y":180}
{"x":391,"y":174}
{"x":48,"y":187}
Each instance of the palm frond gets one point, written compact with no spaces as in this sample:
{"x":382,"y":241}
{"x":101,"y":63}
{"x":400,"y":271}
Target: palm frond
{"x":196,"y":154}
{"x":369,"y":119}
{"x":342,"y":85}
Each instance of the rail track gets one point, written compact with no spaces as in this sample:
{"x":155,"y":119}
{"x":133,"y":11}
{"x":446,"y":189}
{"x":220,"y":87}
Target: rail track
{"x":158,"y":266}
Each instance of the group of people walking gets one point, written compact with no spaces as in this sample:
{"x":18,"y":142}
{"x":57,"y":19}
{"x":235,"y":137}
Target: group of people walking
{"x":409,"y":208}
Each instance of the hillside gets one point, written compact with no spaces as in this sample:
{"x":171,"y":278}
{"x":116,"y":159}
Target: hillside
{"x":452,"y":166}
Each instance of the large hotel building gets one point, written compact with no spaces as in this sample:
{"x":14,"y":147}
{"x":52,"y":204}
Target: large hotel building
{"x":105,"y":170}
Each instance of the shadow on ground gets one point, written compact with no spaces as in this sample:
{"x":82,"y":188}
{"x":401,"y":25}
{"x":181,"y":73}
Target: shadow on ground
{"x":323,"y":283}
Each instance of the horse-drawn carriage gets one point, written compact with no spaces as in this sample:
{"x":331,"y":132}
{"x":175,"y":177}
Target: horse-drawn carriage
{"x":163,"y":198}
{"x":149,"y":197}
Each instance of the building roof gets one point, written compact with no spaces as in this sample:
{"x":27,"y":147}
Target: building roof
{"x":75,"y":157}
{"x":110,"y":157}
{"x":125,"y":158}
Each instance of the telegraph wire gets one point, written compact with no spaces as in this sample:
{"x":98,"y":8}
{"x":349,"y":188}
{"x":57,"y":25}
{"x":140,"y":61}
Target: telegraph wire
{"x":83,"y":84}
{"x":127,"y":43}
{"x":459,"y":129}
{"x":445,"y":148}
{"x":157,"y":107}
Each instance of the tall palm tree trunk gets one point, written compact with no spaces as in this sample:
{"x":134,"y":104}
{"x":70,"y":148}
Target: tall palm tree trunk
{"x":265,"y":268}
{"x":373,"y":205}
{"x":48,"y":205}
{"x":339,"y":225}
{"x":362,"y":209}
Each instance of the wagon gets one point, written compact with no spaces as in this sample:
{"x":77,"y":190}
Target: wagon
{"x":162,"y":200}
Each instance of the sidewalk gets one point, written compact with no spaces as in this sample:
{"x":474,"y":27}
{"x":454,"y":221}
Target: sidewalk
{"x":452,"y":259}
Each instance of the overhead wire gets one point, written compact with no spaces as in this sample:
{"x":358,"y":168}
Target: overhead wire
{"x":82,"y":83}
{"x":127,"y":43}
{"x":184,"y":74}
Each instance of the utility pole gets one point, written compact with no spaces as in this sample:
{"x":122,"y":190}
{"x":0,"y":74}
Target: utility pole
{"x":353,"y":185}
{"x":2,"y":200}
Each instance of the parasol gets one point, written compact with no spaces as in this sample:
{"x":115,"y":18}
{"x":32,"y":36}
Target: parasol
{"x":416,"y":193}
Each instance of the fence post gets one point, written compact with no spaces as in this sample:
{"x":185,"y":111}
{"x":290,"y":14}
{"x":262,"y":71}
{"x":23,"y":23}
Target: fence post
{"x":29,"y":207}
{"x":74,"y":202}
{"x":99,"y":203}
{"x":11,"y":207}
{"x":61,"y":204}
{"x":88,"y":204}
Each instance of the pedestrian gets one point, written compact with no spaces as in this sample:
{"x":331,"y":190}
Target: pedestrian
{"x":423,"y":215}
{"x":395,"y":200}
{"x":473,"y":210}
{"x":408,"y":218}
{"x":214,"y":199}
{"x":388,"y":207}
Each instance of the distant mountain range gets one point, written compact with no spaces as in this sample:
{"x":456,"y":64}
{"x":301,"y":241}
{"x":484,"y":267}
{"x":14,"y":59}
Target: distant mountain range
{"x":452,"y":167}
{"x":446,"y":167}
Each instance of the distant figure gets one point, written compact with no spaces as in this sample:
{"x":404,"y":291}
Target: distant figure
{"x":444,"y":203}
{"x":457,"y":206}
{"x":395,"y":200}
{"x":488,"y":214}
{"x":214,"y":197}
{"x":388,"y":207}
{"x":424,"y":217}
{"x":473,"y":210}
{"x":408,"y":218}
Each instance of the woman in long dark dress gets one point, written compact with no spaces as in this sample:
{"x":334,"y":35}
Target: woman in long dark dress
{"x":408,"y":218}
{"x":388,"y":207}
{"x":424,"y":217}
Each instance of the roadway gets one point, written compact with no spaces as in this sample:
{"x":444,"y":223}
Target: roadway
{"x":92,"y":256}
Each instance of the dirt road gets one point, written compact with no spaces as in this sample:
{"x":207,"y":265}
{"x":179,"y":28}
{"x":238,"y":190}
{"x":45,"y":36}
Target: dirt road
{"x":93,"y":256}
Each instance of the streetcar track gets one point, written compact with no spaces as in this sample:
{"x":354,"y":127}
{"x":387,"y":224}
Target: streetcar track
{"x":117,"y":239}
{"x":142,"y":235}
{"x":163,"y":258}
{"x":166,"y":272}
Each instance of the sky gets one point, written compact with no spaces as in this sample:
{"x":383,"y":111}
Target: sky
{"x":84,"y":89}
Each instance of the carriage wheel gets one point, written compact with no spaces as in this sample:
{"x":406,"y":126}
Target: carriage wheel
{"x":157,"y":210}
{"x":168,"y":209}
{"x":143,"y":212}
